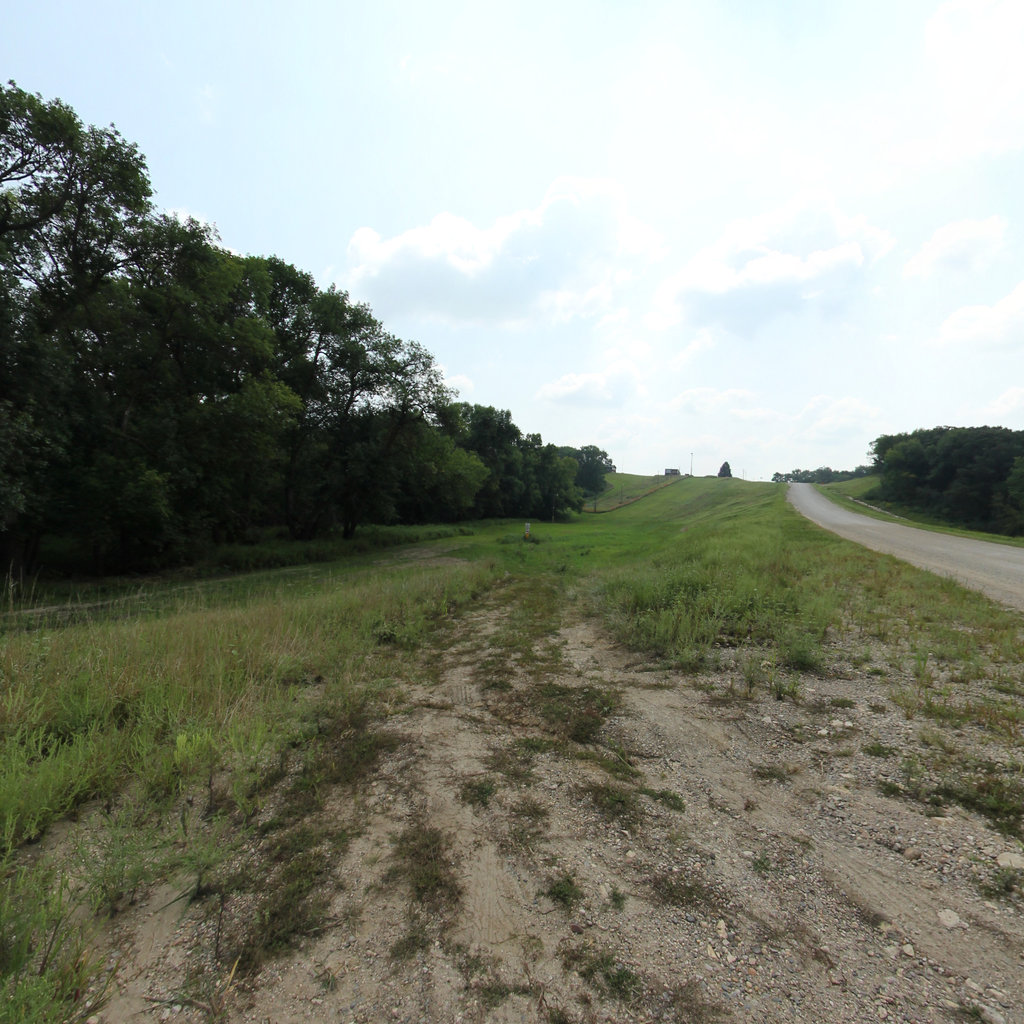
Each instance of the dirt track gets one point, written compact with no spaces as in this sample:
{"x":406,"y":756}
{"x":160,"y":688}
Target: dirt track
{"x":754,"y":871}
{"x":995,"y":569}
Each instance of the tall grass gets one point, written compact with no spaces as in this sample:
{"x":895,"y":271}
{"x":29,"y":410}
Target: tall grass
{"x":84,"y":708}
{"x":166,"y":688}
{"x":740,"y":577}
{"x":156,"y":704}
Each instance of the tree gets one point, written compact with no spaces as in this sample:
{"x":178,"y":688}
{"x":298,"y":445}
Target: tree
{"x":725,"y":470}
{"x":593,"y":464}
{"x":70,"y":199}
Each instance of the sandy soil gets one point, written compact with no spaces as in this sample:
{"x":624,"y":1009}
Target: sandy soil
{"x":760,"y":875}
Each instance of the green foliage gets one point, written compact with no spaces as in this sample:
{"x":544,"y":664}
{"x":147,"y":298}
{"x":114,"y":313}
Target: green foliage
{"x":160,"y":394}
{"x":45,"y":962}
{"x":967,"y":476}
{"x":564,"y":891}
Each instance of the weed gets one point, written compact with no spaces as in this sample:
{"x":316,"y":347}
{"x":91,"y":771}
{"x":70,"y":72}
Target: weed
{"x":603,"y":969}
{"x":762,"y":864}
{"x":528,"y":819}
{"x":782,"y":687}
{"x":45,"y":959}
{"x":515,"y":762}
{"x":126,"y":853}
{"x":564,"y":891}
{"x":478,"y":792}
{"x":614,"y":803}
{"x":414,"y":941}
{"x":575,"y":713}
{"x":1002,"y":884}
{"x":614,"y":763}
{"x":673,"y":801}
{"x":617,"y":898}
{"x":876,"y":749}
{"x":774,"y":772}
{"x":997,"y":796}
{"x":423,"y":861}
{"x":291,"y":905}
{"x":677,"y":891}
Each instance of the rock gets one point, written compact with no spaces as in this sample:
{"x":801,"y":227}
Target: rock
{"x":950,"y":919}
{"x":990,"y":1015}
{"x":908,"y":949}
{"x":1012,"y":860}
{"x":721,"y":929}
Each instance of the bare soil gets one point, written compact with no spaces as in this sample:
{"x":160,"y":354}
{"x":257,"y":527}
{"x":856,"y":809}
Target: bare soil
{"x":713,"y":855}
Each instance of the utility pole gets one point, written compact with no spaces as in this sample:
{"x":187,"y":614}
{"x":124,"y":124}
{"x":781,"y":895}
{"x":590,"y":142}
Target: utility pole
{"x":691,"y":463}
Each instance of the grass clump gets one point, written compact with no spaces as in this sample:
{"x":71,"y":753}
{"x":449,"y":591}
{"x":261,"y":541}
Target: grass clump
{"x":564,"y":891}
{"x":422,"y":860}
{"x":673,"y":801}
{"x":678,"y":891}
{"x":1003,"y":884}
{"x":877,"y":749}
{"x":478,"y":792}
{"x":528,"y":817}
{"x":604,"y":971}
{"x":46,"y":964}
{"x":615,"y":803}
{"x":575,"y":713}
{"x":996,"y":796}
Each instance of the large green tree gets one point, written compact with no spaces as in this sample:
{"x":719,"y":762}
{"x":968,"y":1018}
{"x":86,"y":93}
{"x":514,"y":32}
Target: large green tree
{"x":70,"y":198}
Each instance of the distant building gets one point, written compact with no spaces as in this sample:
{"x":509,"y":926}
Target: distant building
{"x":671,"y":472}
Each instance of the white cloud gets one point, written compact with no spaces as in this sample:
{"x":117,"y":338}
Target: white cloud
{"x":974,"y":48}
{"x":826,"y":418}
{"x":561,"y":260}
{"x":999,"y":325}
{"x":206,"y":100}
{"x":702,"y":341}
{"x":710,"y":401}
{"x":462,"y":384}
{"x":966,"y":246}
{"x":807,"y":253}
{"x":614,"y":386}
{"x":1007,"y":406}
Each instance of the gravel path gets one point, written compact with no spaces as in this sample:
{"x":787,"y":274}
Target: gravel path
{"x":995,"y":569}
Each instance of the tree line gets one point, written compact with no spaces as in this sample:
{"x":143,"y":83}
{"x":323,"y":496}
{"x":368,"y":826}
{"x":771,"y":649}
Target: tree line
{"x":970,"y":476}
{"x":159,"y":393}
{"x":821,"y":475}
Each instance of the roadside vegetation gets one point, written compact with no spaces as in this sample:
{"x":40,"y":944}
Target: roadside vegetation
{"x":200,"y":730}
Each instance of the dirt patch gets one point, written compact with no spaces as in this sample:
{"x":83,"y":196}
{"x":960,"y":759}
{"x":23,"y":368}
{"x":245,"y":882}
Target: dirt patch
{"x":712,"y":854}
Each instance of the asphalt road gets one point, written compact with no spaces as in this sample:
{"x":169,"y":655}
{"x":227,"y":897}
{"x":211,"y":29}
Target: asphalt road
{"x":997,"y":570}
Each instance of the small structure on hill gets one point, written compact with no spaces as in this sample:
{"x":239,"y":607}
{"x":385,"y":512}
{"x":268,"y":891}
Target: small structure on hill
{"x":671,"y":472}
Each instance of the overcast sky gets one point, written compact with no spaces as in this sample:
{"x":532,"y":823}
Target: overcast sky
{"x":761,"y":231}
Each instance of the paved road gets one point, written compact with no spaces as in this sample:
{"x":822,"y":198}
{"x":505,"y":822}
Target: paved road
{"x":995,"y":569}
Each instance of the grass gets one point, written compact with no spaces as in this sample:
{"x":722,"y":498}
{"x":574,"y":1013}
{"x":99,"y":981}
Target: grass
{"x":564,"y":891}
{"x":615,"y":803}
{"x":188,"y":706}
{"x":602,"y":969}
{"x":678,"y":890}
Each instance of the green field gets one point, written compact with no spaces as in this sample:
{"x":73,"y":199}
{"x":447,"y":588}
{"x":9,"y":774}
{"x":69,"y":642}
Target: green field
{"x":623,"y":488}
{"x":184,"y":709}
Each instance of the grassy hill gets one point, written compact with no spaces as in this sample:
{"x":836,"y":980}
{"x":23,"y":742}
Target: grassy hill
{"x":202,"y":731}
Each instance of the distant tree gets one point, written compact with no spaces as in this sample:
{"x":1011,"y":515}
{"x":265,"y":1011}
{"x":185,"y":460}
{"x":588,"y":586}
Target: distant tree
{"x":725,"y":470}
{"x":593,"y":464}
{"x":821,"y":475}
{"x":964,"y":475}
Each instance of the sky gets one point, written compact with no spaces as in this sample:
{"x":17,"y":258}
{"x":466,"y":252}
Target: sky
{"x":756,"y":231}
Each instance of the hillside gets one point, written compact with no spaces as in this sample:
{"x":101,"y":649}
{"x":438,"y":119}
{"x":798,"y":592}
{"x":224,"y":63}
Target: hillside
{"x":691,"y":760}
